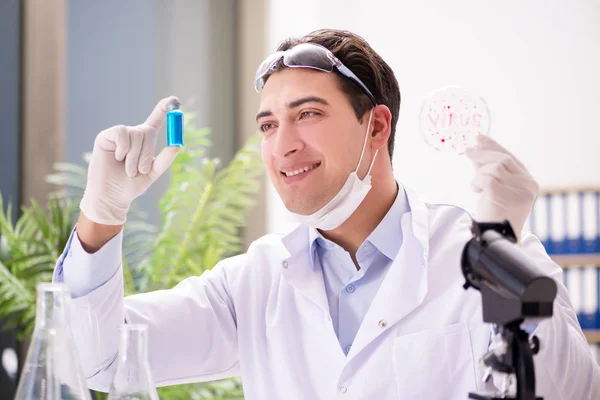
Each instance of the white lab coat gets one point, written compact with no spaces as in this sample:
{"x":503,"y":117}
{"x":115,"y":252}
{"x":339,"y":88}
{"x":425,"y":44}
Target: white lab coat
{"x":264,"y":315}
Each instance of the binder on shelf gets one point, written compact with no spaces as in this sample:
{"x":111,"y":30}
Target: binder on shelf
{"x":567,"y":222}
{"x":588,"y":317}
{"x":557,"y":218}
{"x":574,"y":222}
{"x":573,"y":284}
{"x":591,"y":222}
{"x":597,"y":294}
{"x":538,"y":219}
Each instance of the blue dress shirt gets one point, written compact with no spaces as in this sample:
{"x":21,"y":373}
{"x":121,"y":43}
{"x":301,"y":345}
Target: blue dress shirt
{"x":351,"y":291}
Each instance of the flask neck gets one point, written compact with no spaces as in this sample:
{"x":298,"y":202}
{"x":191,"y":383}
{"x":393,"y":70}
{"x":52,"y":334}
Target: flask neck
{"x":133,"y":378}
{"x":51,"y":307}
{"x":133,"y":347}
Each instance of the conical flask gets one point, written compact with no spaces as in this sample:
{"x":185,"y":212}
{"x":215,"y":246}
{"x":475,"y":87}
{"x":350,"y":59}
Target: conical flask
{"x":52,"y":369}
{"x":133,"y":378}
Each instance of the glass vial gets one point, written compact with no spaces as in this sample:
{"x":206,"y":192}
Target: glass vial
{"x":52,"y":369}
{"x":174,"y":126}
{"x":133,"y":379}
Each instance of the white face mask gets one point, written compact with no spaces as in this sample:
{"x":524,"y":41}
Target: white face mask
{"x":346,"y":201}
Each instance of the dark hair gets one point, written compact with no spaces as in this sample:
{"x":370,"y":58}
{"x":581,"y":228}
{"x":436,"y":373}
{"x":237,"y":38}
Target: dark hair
{"x":356,"y":54}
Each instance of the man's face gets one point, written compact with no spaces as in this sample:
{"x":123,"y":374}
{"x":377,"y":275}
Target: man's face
{"x":310,"y":127}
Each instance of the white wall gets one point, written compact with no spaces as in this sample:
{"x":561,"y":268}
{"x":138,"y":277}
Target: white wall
{"x":536,"y":64}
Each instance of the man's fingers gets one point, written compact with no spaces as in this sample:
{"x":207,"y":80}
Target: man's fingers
{"x":148,"y":148}
{"x":136,"y":138}
{"x":496,"y":170}
{"x":482,"y":182}
{"x":115,"y":139}
{"x":158,"y":115}
{"x":487,"y":143}
{"x":163,"y":161}
{"x":486,"y":157}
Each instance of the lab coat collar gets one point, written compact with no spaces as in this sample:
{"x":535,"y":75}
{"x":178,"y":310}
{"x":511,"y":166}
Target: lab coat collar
{"x":419,"y":221}
{"x":297,"y":269}
{"x":403,"y":289}
{"x":389,"y":227}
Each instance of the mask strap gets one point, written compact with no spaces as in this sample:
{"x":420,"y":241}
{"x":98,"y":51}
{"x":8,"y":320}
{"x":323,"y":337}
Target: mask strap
{"x":372,"y":162}
{"x":365,"y":145}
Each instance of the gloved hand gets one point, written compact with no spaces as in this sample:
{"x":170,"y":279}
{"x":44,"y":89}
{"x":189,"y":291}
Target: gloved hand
{"x":506,"y":189}
{"x":123,"y":166}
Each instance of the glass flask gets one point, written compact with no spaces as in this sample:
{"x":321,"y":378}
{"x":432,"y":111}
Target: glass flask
{"x":52,"y":369}
{"x":133,"y":379}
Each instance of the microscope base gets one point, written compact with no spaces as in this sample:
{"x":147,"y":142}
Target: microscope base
{"x":495,"y":396}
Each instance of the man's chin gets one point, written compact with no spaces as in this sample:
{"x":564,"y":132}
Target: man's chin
{"x":297,"y":210}
{"x":295,"y":207}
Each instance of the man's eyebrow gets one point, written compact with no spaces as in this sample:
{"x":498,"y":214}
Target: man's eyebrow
{"x":294,"y":104}
{"x":307,"y":99}
{"x":263,"y":114}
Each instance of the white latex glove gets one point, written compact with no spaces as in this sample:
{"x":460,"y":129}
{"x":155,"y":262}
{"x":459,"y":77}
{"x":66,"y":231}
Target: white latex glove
{"x":506,"y":189}
{"x":123,"y":167}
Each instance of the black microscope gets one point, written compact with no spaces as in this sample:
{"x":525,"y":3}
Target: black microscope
{"x":513,"y":291}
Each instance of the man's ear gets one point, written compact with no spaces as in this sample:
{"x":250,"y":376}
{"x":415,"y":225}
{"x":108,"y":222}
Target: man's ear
{"x":381,"y":126}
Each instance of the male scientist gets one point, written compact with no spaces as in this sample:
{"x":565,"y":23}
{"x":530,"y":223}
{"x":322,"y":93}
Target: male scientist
{"x":364,"y":300}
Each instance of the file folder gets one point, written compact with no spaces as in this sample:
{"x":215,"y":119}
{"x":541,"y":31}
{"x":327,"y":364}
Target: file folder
{"x":591,"y":222}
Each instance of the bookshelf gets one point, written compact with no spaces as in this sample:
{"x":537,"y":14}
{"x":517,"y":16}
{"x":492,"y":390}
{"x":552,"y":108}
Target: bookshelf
{"x":567,"y":221}
{"x":576,"y":260}
{"x":592,"y":335}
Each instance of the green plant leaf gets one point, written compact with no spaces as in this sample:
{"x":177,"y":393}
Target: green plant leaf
{"x":203,"y":210}
{"x":30,"y":250}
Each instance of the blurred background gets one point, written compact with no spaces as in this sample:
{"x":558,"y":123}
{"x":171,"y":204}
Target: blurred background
{"x":71,"y":68}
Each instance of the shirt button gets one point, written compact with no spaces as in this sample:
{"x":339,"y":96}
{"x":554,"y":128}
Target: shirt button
{"x":382,"y":323}
{"x":350,"y":288}
{"x":343,"y":389}
{"x":348,"y":349}
{"x":284,"y":264}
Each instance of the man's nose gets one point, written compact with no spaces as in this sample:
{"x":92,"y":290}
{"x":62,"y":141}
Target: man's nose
{"x":288,"y":141}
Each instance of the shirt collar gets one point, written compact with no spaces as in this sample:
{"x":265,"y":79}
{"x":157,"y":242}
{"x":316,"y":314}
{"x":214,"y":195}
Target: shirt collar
{"x":387,"y":236}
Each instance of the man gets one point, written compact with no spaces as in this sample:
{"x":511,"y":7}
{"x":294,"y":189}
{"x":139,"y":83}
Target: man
{"x":364,"y":300}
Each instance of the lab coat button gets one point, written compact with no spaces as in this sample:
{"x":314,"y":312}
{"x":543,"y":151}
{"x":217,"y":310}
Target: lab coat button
{"x":382,"y":323}
{"x":343,"y":389}
{"x":284,"y":264}
{"x":350,"y":288}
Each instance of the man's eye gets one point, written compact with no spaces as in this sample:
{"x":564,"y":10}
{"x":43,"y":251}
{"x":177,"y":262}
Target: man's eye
{"x":305,"y":114}
{"x":266,"y":127}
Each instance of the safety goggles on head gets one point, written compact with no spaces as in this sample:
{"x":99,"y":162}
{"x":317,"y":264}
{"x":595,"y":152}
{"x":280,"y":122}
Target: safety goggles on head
{"x":307,"y":55}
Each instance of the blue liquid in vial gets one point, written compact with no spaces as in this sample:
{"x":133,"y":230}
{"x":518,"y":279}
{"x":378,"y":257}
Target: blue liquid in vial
{"x":174,"y":126}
